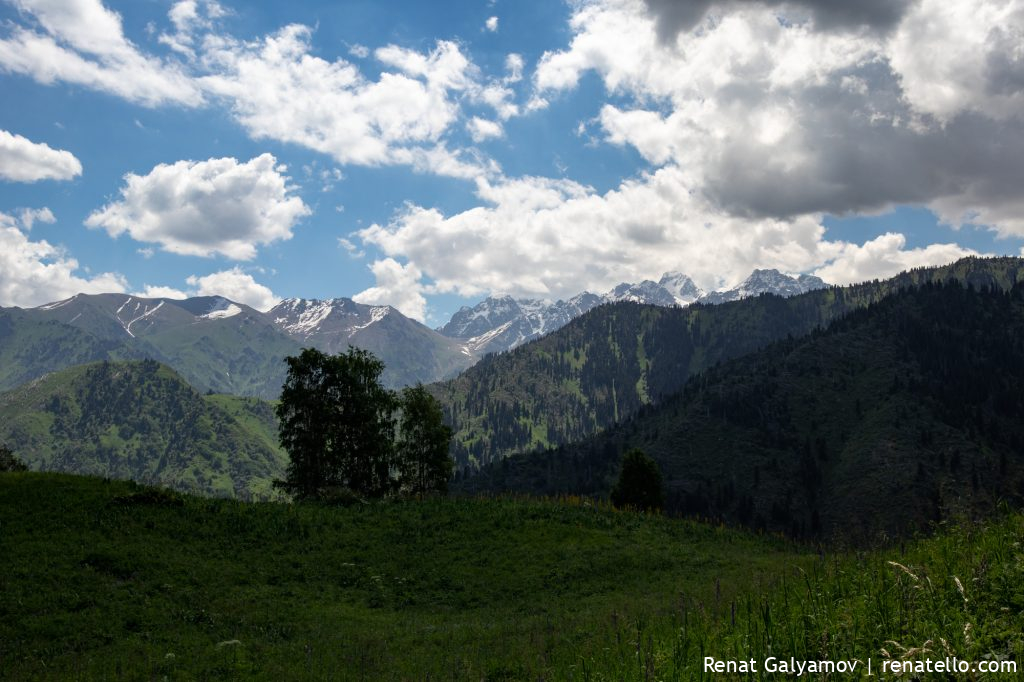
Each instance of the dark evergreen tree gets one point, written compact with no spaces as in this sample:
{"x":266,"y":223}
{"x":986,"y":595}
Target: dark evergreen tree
{"x":424,"y":465}
{"x":8,"y":462}
{"x":337,"y":425}
{"x":640,"y":484}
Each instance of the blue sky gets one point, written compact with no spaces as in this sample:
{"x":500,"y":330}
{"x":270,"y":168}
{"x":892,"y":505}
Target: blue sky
{"x":427,"y":154}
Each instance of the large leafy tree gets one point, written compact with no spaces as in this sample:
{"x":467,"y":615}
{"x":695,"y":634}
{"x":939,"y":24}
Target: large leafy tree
{"x":336,"y":423}
{"x":424,"y":464}
{"x":640,"y":484}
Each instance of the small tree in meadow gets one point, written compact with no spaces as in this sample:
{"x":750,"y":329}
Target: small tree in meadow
{"x":640,"y":484}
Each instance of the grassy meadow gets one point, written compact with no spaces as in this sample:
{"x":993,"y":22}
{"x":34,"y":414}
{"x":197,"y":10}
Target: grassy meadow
{"x":111,"y":580}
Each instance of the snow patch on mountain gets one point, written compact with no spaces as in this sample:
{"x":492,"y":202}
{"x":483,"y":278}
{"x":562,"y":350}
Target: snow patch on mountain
{"x":222,"y":310}
{"x":377,"y":313}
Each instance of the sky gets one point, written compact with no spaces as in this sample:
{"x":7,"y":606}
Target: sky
{"x":426,"y":155}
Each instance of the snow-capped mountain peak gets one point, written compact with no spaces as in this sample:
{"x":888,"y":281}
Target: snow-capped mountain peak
{"x":303,"y":318}
{"x":500,"y":323}
{"x":645,"y":292}
{"x":682,"y":288}
{"x":767,"y":282}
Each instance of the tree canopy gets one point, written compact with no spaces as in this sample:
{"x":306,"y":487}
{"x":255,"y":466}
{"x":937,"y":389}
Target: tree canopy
{"x":344,"y":431}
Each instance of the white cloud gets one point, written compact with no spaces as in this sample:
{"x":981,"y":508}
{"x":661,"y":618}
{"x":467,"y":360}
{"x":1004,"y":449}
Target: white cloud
{"x":552,"y":238}
{"x":34,"y":273}
{"x":491,"y":24}
{"x":206,"y":207}
{"x":884,"y":257}
{"x":514,"y":65}
{"x":961,"y":55}
{"x":83,"y":43}
{"x":398,"y":286}
{"x":352,"y":250}
{"x":188,"y":17}
{"x":792,"y":118}
{"x":22,"y":160}
{"x":279,"y":90}
{"x":30,"y":216}
{"x":150,"y":291}
{"x":481,"y":129}
{"x":237,"y":286}
{"x":276,"y":87}
{"x":539,"y":237}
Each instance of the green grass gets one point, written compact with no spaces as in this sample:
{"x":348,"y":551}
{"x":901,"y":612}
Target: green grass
{"x":109,"y":580}
{"x":101,"y":584}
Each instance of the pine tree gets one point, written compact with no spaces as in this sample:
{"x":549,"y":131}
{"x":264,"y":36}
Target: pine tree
{"x":640,"y":484}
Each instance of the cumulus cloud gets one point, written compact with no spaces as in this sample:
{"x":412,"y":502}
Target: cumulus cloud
{"x":551,"y":238}
{"x":481,"y":129}
{"x":219,"y":206}
{"x":675,"y":16}
{"x":398,"y":286}
{"x":83,"y":43}
{"x":491,"y":24}
{"x":236,"y":285}
{"x":514,"y":65}
{"x":539,"y":237}
{"x":278,"y":90}
{"x":189,"y":17}
{"x":884,"y":257}
{"x":781,"y":119}
{"x":954,"y":56}
{"x":150,"y":291}
{"x":35,"y":272}
{"x":30,"y":216}
{"x":22,"y":160}
{"x":275,"y":86}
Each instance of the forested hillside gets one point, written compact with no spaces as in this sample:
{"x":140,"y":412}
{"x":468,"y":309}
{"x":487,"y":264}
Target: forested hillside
{"x":903,"y":413}
{"x":606,"y":365}
{"x":140,"y":420}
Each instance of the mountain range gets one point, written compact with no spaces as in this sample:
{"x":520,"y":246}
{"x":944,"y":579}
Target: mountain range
{"x":576,"y":396}
{"x":618,"y":358}
{"x":501,"y":323}
{"x":216,"y":344}
{"x":900,"y":414}
{"x":223,"y":346}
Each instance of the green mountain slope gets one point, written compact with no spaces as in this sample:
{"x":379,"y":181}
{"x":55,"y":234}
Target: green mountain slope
{"x":141,"y":420}
{"x":608,"y":364}
{"x":898,"y":415}
{"x":30,"y":347}
{"x":215,"y":344}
